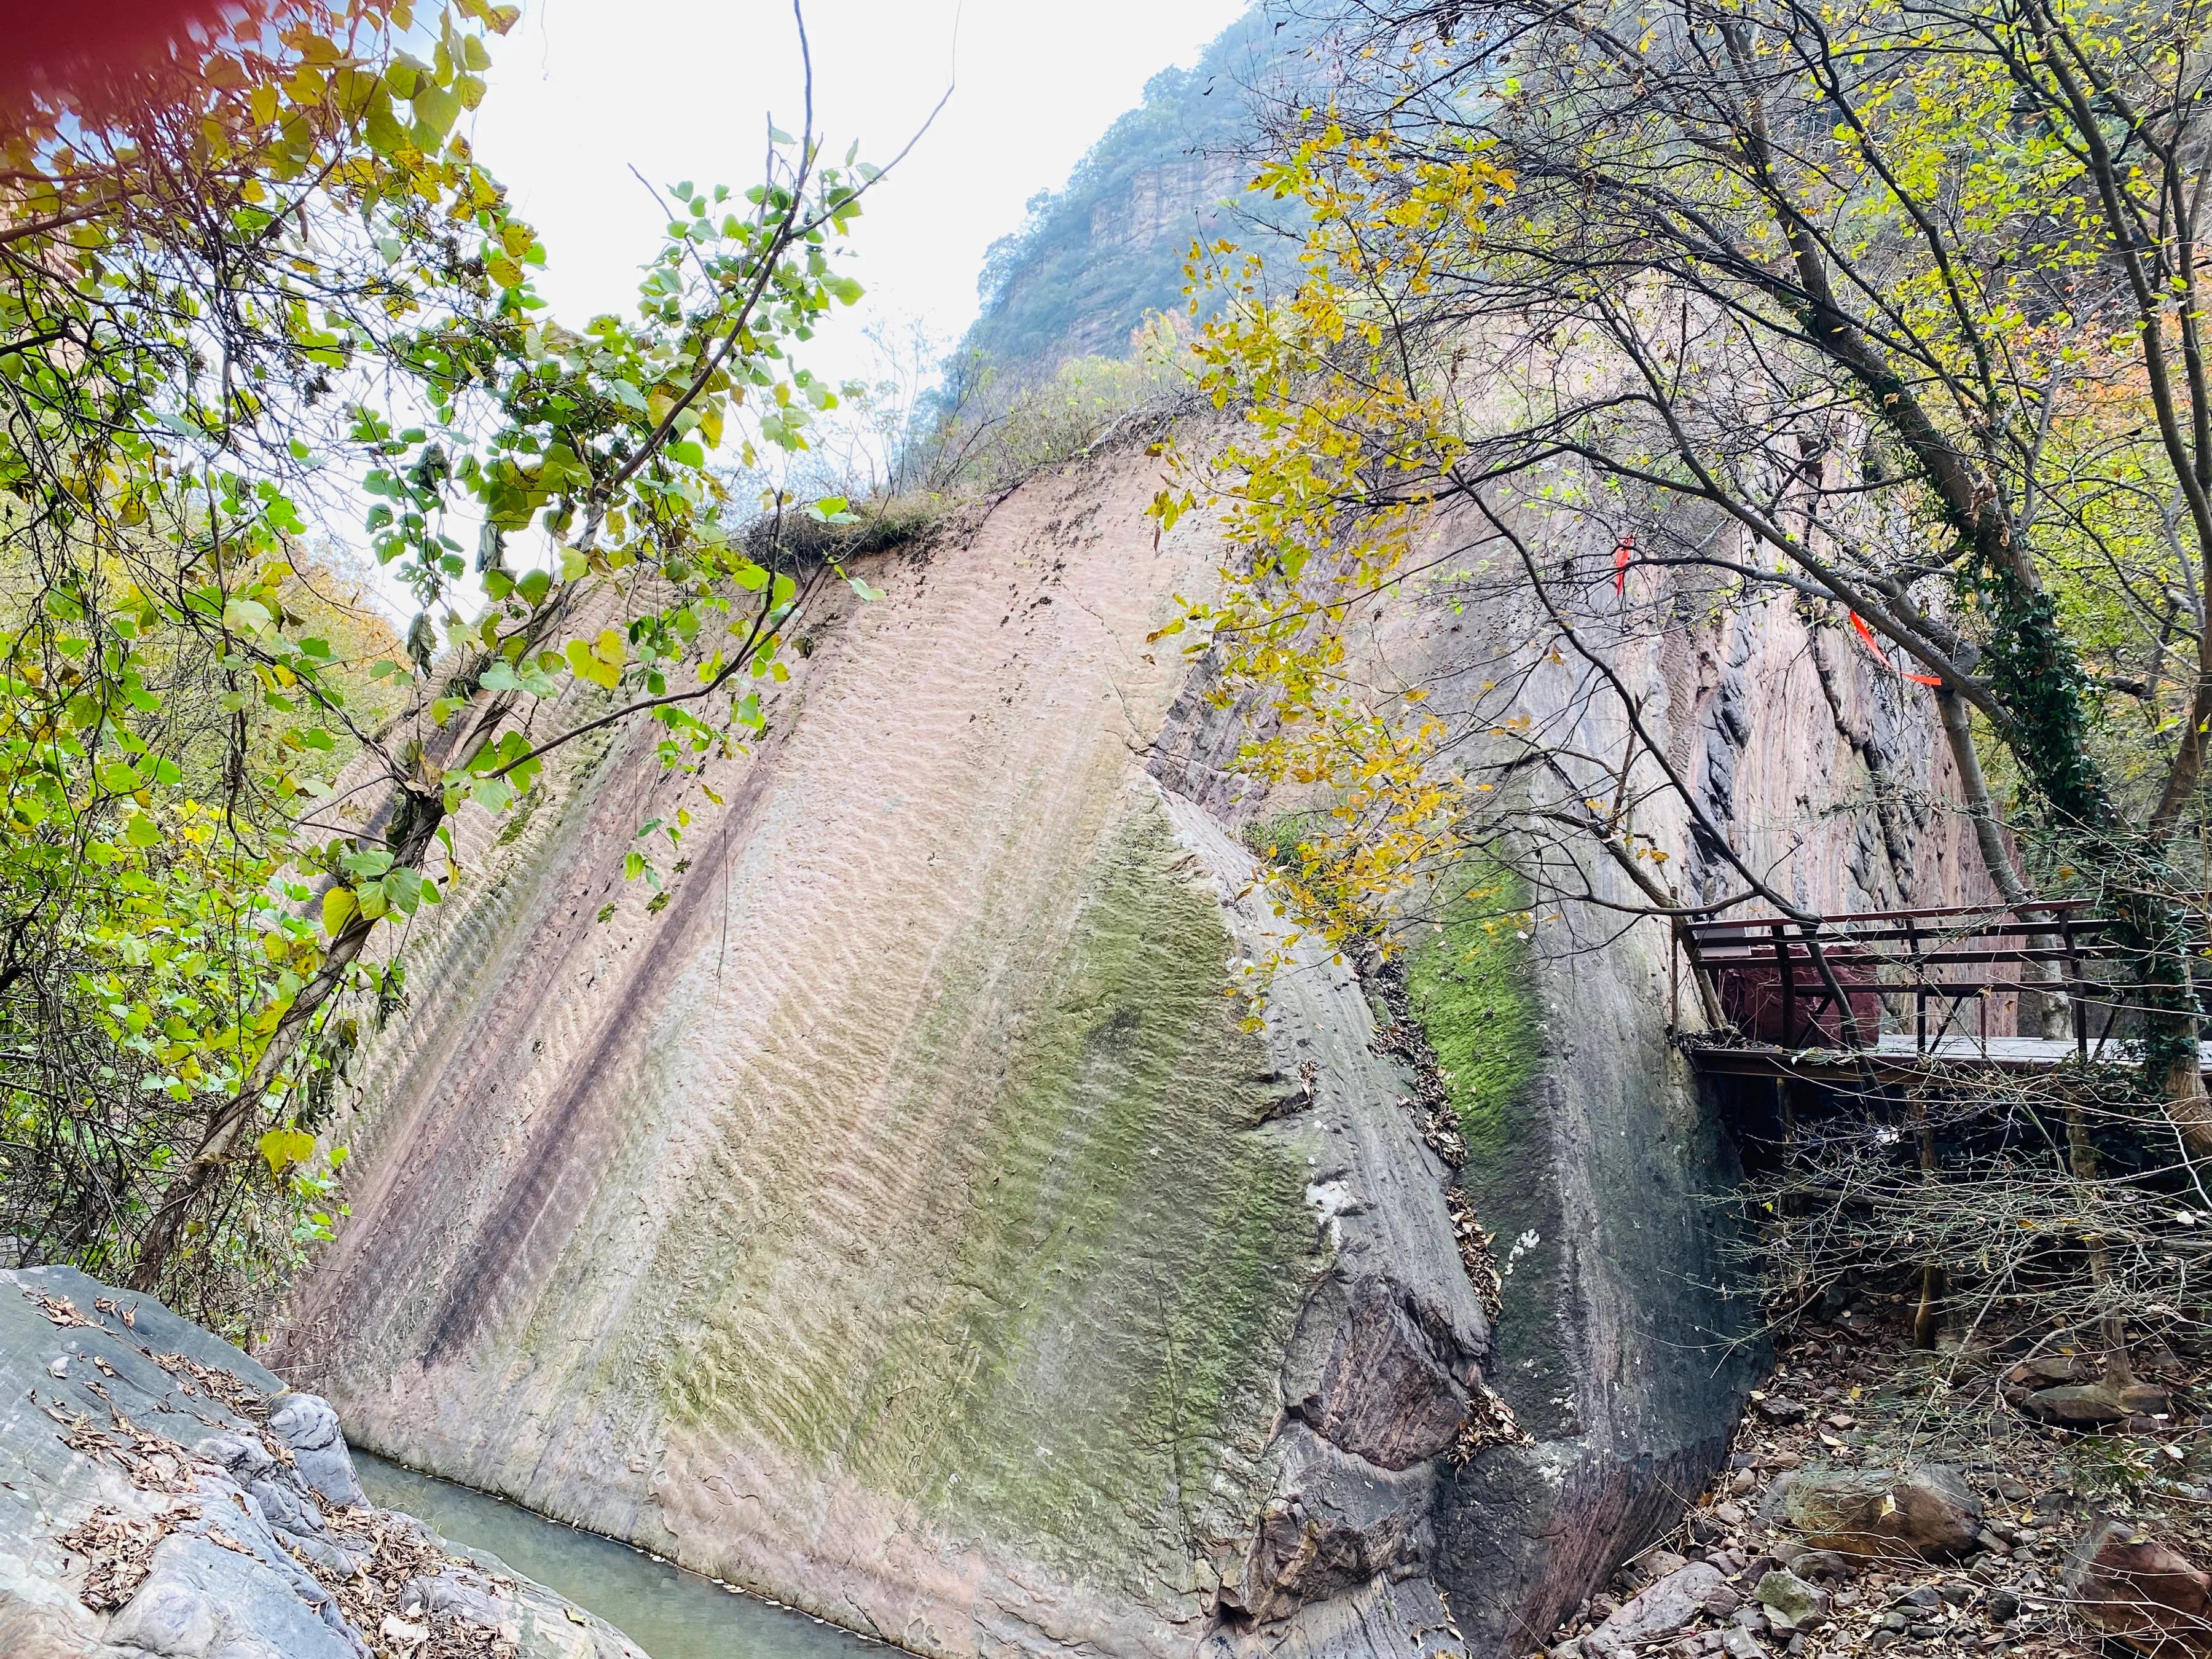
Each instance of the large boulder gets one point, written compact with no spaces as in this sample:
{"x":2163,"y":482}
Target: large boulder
{"x":1926,"y":1515}
{"x":2140,"y":1590}
{"x":162,"y":1493}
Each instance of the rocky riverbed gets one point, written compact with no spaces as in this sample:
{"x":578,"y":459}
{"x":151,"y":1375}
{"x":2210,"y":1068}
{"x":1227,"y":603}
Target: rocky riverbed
{"x":162,"y":1493}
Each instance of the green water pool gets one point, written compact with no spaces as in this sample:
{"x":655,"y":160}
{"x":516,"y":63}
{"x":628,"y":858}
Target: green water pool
{"x":671,"y":1614}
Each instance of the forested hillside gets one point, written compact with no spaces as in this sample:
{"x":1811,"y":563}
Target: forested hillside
{"x":1095,"y":257}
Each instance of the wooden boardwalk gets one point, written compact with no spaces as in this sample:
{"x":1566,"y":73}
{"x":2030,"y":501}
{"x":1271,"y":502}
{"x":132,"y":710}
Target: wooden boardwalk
{"x":1905,"y":994}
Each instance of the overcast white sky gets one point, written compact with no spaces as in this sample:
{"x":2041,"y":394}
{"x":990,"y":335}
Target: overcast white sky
{"x":582,"y":90}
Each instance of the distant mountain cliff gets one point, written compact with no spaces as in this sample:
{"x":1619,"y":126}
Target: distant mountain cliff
{"x":1099,"y":254}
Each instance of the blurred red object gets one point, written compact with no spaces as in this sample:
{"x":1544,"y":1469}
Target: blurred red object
{"x":1804,"y":1016}
{"x":64,"y":45}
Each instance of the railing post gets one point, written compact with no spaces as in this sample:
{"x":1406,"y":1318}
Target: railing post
{"x":1919,"y":988}
{"x":1789,"y":986}
{"x":1673,"y":975}
{"x":2076,"y":987}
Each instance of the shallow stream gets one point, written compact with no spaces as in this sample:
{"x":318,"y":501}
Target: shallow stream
{"x":671,"y":1614}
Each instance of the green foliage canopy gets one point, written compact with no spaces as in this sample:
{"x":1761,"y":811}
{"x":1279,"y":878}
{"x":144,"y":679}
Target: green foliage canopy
{"x":245,"y":295}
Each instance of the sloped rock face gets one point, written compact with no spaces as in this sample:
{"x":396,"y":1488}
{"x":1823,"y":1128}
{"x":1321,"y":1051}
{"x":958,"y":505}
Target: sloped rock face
{"x":901,"y":1218}
{"x":162,"y":1493}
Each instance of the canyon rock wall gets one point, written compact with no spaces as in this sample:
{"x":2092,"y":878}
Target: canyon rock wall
{"x":899,"y":1215}
{"x":1626,"y":1335}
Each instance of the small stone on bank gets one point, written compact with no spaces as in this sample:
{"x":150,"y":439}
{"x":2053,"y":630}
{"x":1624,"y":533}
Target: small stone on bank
{"x":1790,"y":1600}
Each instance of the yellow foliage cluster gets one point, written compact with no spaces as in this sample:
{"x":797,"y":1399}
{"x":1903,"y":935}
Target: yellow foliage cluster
{"x":1322,"y":491}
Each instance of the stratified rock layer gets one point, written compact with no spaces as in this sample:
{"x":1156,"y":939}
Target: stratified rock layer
{"x":901,"y":1216}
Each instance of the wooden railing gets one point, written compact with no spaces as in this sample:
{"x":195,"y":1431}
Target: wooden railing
{"x":1828,"y":982}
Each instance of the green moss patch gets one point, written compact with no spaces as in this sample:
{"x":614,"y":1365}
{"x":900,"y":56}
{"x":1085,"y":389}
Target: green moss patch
{"x":1472,"y":989}
{"x":1058,"y":1320}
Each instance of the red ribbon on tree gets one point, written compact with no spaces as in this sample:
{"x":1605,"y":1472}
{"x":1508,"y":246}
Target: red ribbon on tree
{"x":1882,"y":656}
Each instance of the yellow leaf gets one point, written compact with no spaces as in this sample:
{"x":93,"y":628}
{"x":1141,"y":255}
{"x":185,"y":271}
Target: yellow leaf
{"x":338,"y":905}
{"x":284,"y":1148}
{"x":586,"y":667}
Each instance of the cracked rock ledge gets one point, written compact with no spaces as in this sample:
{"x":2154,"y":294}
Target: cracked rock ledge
{"x":160,"y":1493}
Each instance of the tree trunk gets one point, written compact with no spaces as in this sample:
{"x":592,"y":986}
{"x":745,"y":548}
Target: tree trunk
{"x":2111,"y":1328}
{"x":413,"y":822}
{"x":1928,"y":1314}
{"x":2042,"y":1013}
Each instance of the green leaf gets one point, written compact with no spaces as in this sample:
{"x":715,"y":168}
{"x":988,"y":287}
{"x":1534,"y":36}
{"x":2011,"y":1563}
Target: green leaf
{"x":121,"y":779}
{"x":436,"y":108}
{"x":244,"y":615}
{"x":142,"y":830}
{"x":383,"y":132}
{"x":369,"y":862}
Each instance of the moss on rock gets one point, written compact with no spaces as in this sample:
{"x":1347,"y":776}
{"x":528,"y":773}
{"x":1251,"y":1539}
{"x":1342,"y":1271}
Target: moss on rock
{"x":1074,"y":1348}
{"x":1472,"y":987}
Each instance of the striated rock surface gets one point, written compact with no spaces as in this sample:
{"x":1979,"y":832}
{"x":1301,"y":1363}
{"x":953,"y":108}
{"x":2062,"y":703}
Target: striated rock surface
{"x":903,"y":1218}
{"x":162,"y":1493}
{"x":900,"y":1219}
